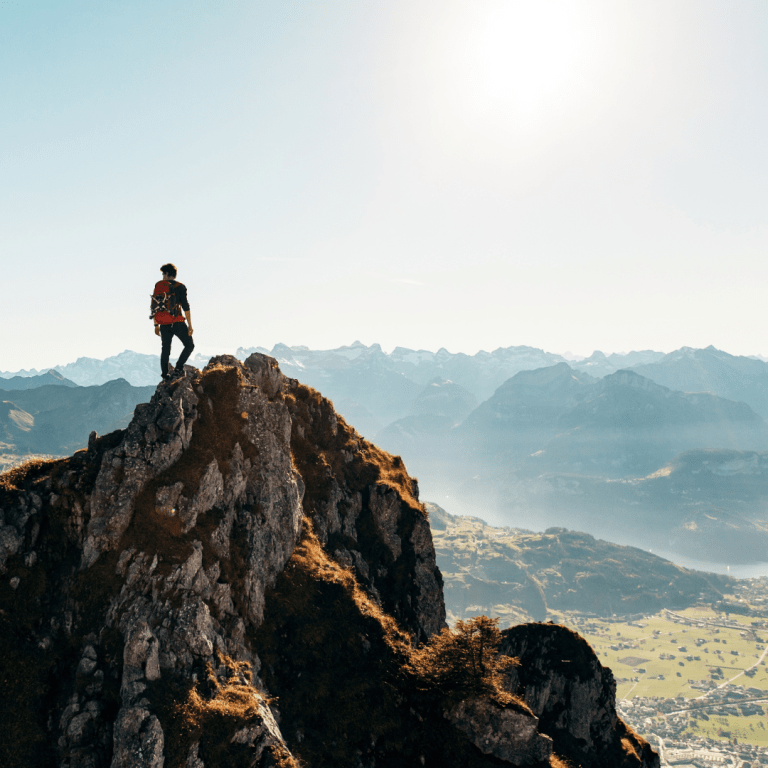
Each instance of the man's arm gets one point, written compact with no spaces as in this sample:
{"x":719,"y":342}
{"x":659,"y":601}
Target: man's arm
{"x":181,"y":296}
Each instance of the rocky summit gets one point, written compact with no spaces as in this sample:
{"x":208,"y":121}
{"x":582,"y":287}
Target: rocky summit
{"x":239,"y":579}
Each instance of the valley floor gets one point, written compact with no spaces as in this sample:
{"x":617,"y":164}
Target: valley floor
{"x":693,"y":682}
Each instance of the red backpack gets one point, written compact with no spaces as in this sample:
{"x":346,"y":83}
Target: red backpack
{"x":164,"y":299}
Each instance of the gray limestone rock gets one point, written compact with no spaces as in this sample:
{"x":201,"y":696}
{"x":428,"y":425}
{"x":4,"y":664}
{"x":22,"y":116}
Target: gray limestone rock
{"x":266,"y":373}
{"x":505,"y":733}
{"x":138,"y":740}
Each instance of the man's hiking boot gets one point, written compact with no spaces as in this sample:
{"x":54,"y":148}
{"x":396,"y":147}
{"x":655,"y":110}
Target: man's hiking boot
{"x":174,"y":374}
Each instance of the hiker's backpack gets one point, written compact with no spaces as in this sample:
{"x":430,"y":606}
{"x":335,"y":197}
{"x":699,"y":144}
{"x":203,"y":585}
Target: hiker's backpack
{"x":164,"y":300}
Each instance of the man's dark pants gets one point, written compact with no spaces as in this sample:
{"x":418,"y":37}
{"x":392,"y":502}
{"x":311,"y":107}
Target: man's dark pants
{"x":167,"y":332}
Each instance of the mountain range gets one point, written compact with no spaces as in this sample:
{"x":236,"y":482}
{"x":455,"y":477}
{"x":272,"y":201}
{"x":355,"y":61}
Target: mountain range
{"x":521,"y":436}
{"x":711,"y":370}
{"x":52,"y":377}
{"x":137,"y":369}
{"x":556,"y":419}
{"x":358,"y":375}
{"x":620,"y":457}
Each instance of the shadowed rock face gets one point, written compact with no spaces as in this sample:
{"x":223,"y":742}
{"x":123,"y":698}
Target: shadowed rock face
{"x":573,"y":695}
{"x":238,"y":541}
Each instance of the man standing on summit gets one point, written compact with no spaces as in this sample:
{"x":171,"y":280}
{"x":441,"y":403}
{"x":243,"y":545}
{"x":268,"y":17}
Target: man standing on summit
{"x":168,"y":299}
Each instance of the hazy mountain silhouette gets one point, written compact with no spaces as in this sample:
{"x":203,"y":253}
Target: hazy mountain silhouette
{"x":558,"y":419}
{"x":480,"y":373}
{"x":387,"y":385}
{"x":62,"y":416}
{"x":136,"y":368}
{"x":556,"y":447}
{"x":525,"y":411}
{"x":439,"y":407}
{"x":712,"y":370}
{"x":32,"y":382}
{"x":15,"y":426}
{"x":627,"y":425}
{"x":445,"y":398}
{"x":599,"y":364}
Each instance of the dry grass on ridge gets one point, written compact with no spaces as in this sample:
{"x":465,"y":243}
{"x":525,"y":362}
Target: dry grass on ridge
{"x":209,"y":712}
{"x":345,"y":672}
{"x":13,"y":479}
{"x":319,"y":450}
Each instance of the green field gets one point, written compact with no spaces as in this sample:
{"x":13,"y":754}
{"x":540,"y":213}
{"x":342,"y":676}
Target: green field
{"x":747,"y":730}
{"x":629,"y":648}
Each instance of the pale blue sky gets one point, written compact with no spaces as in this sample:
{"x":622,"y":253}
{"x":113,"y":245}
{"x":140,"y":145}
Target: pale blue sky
{"x":573,"y":176}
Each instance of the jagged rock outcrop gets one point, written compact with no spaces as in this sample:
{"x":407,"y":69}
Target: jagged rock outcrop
{"x":236,"y":579}
{"x":560,"y":678}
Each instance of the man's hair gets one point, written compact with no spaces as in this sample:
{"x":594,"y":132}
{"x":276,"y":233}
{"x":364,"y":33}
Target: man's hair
{"x":168,"y":269}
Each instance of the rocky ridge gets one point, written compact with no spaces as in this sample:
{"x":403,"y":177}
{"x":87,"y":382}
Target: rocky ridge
{"x":239,"y":579}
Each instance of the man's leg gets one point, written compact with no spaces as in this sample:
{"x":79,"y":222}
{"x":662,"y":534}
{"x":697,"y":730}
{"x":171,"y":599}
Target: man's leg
{"x":166,"y":334}
{"x":181,"y":330}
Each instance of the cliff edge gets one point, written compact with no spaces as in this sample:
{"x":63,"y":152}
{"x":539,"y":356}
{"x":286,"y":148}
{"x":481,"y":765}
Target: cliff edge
{"x":239,"y":579}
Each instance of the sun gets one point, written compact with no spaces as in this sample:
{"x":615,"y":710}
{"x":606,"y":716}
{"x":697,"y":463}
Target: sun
{"x":528,"y":57}
{"x":505,"y":78}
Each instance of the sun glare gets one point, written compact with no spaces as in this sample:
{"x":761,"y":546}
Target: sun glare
{"x":529,"y":58}
{"x":504,"y":79}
